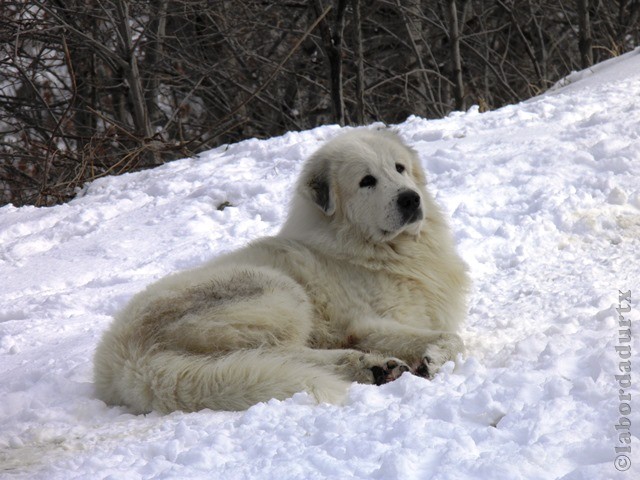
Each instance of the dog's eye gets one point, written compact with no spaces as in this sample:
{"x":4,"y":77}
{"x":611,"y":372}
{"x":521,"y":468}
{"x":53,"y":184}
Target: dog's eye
{"x":399,"y":168}
{"x":368,"y":181}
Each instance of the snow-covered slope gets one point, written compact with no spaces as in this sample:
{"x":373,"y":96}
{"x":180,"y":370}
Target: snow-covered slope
{"x":544,"y":199}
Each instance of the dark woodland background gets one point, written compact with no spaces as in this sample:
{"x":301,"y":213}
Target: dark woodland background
{"x":97,"y":87}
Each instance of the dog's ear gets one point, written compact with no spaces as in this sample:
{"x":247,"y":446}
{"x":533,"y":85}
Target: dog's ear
{"x":316,"y":184}
{"x":321,"y":194}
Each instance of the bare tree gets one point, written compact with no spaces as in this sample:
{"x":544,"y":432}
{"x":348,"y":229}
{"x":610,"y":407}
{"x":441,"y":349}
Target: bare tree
{"x":97,"y":87}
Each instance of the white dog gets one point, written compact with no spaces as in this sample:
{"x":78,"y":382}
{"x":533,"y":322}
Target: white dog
{"x":361,"y":284}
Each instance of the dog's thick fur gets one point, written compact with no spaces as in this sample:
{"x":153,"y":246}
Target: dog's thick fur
{"x":361,"y":284}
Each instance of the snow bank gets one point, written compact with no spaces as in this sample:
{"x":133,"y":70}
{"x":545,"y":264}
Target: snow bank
{"x":544,"y":199}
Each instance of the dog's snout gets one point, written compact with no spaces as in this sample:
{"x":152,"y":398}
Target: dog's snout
{"x":409,"y":205}
{"x":408,"y":201}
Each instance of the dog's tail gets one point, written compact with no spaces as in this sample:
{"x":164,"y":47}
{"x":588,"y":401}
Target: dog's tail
{"x":166,"y":381}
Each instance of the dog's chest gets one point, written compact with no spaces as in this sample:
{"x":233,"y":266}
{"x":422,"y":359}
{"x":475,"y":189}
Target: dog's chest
{"x":354,"y":293}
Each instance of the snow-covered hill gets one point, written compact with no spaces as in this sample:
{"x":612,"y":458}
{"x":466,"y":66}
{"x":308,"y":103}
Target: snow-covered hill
{"x":544,"y":199}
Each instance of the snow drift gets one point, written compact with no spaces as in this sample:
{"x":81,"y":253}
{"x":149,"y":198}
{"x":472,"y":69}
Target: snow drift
{"x":544,"y":200}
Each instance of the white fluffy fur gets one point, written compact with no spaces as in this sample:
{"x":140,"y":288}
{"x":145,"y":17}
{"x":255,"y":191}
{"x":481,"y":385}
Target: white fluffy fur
{"x":349,"y":290}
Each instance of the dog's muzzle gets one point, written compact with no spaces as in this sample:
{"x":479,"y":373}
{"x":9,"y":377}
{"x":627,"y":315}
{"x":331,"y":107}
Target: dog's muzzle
{"x":409,"y":206}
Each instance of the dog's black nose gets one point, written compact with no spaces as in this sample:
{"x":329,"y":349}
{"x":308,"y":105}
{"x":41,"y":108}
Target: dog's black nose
{"x":409,"y":205}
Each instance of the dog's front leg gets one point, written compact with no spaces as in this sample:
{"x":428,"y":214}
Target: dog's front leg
{"x":424,"y":350}
{"x":439,"y":351}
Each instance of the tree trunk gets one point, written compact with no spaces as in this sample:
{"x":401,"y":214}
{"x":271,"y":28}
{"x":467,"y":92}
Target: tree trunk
{"x":410,"y":12}
{"x":585,"y":41}
{"x":456,"y":62}
{"x":332,"y":46}
{"x":132,"y":74}
{"x":359,"y":64}
{"x":153,"y":56}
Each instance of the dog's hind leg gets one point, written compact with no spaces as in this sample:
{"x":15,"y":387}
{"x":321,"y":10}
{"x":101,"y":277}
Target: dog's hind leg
{"x":214,"y":344}
{"x":238,"y":308}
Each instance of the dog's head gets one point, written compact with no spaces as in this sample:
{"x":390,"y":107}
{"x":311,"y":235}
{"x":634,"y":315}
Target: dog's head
{"x":369,"y":179}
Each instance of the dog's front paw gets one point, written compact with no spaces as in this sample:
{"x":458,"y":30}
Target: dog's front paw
{"x":438,"y":353}
{"x":390,"y":369}
{"x":427,"y":367}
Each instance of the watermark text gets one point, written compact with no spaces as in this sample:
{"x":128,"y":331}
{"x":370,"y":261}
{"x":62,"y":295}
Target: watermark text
{"x":622,"y":460}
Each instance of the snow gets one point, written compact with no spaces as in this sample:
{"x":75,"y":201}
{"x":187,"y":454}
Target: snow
{"x":544,"y":200}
